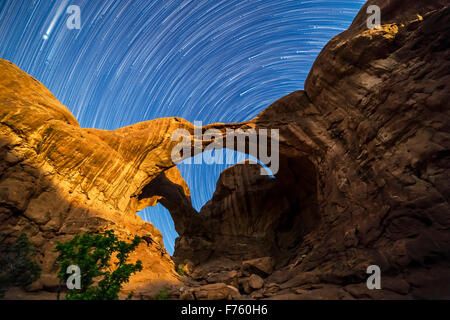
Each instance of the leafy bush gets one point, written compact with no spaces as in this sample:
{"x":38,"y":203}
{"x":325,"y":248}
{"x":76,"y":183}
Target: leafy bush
{"x":181,"y":270}
{"x":16,"y":267}
{"x":93,"y":254}
{"x":163,"y":294}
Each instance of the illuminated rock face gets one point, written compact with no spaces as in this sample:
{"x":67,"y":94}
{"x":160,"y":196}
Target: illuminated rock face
{"x":58,"y":179}
{"x":363,"y":177}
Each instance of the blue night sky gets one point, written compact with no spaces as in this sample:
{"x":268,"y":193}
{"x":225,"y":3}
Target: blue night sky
{"x":211,"y":61}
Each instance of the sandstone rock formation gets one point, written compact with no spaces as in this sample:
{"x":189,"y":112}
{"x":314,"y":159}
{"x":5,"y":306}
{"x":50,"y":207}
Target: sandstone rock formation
{"x":363,"y":178}
{"x":57,"y":179}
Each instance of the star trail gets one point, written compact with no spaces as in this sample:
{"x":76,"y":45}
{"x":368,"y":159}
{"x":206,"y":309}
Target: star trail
{"x":131,"y":61}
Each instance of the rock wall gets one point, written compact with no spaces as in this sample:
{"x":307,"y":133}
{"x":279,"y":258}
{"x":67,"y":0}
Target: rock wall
{"x":58,"y":180}
{"x":363,"y":177}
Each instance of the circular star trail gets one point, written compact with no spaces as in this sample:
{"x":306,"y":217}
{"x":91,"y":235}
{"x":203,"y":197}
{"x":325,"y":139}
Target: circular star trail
{"x":131,"y":61}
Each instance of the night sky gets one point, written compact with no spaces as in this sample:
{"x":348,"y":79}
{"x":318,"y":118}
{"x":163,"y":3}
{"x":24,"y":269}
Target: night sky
{"x":136,"y":60}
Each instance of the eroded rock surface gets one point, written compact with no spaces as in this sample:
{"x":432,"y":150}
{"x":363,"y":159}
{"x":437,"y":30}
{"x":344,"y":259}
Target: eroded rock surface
{"x":58,"y":180}
{"x":364,"y":171}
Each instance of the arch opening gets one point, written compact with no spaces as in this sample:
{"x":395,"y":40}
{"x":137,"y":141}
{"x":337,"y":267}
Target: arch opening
{"x":182,"y":191}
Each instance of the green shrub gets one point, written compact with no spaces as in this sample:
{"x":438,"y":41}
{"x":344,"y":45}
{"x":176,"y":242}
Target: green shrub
{"x":16,"y":267}
{"x":163,"y":294}
{"x":181,"y":270}
{"x":93,"y":253}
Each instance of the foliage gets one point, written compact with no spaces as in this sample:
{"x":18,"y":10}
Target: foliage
{"x":93,"y":254}
{"x":16,"y":267}
{"x":181,"y":270}
{"x":163,"y":294}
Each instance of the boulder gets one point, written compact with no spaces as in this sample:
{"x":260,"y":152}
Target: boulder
{"x":216,"y":291}
{"x":260,"y":266}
